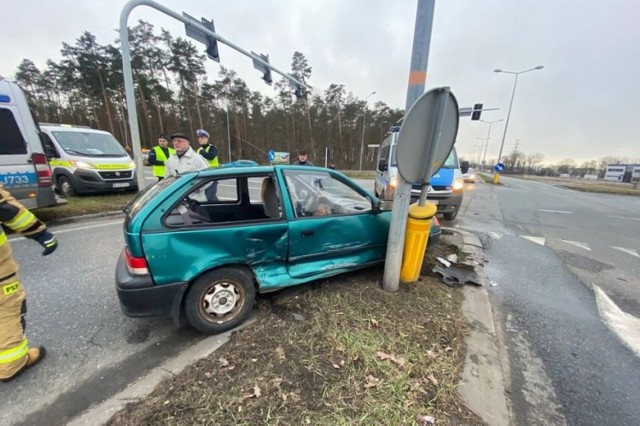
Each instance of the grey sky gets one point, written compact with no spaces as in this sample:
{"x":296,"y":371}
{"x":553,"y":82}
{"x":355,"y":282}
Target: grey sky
{"x":584,"y":104}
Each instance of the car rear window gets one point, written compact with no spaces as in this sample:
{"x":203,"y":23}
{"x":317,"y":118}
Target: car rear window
{"x":134,"y":206}
{"x":11,"y":140}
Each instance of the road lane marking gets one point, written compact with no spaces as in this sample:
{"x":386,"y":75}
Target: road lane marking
{"x":537,"y":240}
{"x":555,"y":211}
{"x":624,"y":325}
{"x":624,"y":217}
{"x":578,"y":244}
{"x":77,"y":228}
{"x":626,"y":250}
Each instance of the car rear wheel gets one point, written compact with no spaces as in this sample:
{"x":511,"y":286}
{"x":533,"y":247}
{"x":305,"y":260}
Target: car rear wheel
{"x":220,"y":300}
{"x":66,"y":187}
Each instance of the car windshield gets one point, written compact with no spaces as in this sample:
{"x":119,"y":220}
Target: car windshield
{"x":89,"y":144}
{"x":450,"y":163}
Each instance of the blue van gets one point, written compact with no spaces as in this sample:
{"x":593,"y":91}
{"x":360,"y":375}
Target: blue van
{"x":446,"y":184}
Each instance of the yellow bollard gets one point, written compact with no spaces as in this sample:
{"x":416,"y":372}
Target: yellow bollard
{"x":496,"y":178}
{"x":415,"y":240}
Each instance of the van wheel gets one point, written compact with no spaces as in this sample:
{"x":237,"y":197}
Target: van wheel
{"x":66,"y":187}
{"x":450,"y":216}
{"x":220,"y":300}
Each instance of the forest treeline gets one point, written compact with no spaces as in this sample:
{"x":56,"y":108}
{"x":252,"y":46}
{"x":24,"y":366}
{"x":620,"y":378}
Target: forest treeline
{"x":174,"y":93}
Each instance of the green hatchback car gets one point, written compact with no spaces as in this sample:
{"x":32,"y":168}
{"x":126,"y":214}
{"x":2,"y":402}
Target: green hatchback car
{"x":202,"y":244}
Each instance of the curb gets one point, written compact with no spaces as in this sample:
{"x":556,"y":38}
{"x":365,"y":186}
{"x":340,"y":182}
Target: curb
{"x":482,"y":384}
{"x":74,"y":219}
{"x":103,"y":411}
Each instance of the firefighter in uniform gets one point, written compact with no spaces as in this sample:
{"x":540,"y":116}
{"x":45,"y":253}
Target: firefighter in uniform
{"x":15,"y":353}
{"x":158,"y":157}
{"x":210,"y":153}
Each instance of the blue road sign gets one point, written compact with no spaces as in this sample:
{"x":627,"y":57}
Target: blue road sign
{"x":271,"y":155}
{"x":498,"y":167}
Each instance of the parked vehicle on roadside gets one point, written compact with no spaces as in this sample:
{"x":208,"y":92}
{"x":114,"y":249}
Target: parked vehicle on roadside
{"x":24,"y":170}
{"x":85,"y":160}
{"x":446,"y":183}
{"x":205,"y":258}
{"x":469,"y":176}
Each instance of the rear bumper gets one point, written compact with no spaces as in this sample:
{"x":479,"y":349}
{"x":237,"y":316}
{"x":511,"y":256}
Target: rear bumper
{"x":140,"y":297}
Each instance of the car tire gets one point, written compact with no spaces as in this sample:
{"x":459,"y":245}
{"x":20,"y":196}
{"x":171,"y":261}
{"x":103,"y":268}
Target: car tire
{"x":220,"y":300}
{"x":66,"y":187}
{"x":450,"y":215}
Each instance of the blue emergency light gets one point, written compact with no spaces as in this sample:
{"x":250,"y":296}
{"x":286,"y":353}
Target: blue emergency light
{"x":5,"y":98}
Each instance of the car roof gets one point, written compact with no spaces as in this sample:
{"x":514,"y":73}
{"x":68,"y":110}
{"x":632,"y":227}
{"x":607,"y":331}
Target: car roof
{"x":257,"y":169}
{"x":69,"y":128}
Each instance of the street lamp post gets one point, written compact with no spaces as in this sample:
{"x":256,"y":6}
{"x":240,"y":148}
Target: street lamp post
{"x":364,"y":116}
{"x":515,"y":83}
{"x":484,"y":157}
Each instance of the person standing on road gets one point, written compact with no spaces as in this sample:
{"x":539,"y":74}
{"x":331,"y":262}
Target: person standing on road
{"x":15,"y":354}
{"x":303,"y":158}
{"x":159,"y":155}
{"x":208,"y":151}
{"x":185,"y":159}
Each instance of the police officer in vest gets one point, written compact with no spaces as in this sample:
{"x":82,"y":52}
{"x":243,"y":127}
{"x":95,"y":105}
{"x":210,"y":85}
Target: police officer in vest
{"x":207,"y":150}
{"x":159,"y":155}
{"x":210,"y":153}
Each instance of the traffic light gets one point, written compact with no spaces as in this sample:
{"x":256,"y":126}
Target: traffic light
{"x":212,"y":43}
{"x":477,"y":109}
{"x":265,"y":69}
{"x":300,"y":92}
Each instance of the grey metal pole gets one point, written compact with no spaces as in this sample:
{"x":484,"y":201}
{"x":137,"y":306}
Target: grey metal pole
{"x":402,"y":197}
{"x":228,"y":133}
{"x":364,"y":120}
{"x":364,"y":117}
{"x":504,"y":134}
{"x":484,"y":157}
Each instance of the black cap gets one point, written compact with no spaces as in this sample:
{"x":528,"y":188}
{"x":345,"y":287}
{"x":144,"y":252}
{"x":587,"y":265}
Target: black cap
{"x":180,"y":135}
{"x":302,"y":152}
{"x":162,"y":136}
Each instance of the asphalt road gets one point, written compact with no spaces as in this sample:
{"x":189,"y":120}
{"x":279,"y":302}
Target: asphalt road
{"x":546,"y":249}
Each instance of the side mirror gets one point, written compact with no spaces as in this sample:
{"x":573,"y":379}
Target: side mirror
{"x":464,"y":166}
{"x":383,"y":165}
{"x":376,"y":206}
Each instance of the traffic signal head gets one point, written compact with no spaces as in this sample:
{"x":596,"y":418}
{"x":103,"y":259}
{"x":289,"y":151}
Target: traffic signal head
{"x":477,"y":109}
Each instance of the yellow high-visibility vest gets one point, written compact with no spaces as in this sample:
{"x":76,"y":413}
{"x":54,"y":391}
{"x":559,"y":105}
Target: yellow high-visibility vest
{"x":159,"y":171}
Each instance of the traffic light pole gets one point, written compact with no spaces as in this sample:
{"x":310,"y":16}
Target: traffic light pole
{"x":402,"y":197}
{"x":194,"y":26}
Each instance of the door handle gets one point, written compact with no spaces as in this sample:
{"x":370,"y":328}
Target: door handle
{"x":307,"y":233}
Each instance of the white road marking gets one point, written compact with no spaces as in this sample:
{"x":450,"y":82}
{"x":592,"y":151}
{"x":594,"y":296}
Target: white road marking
{"x":555,"y":211}
{"x":577,"y":244}
{"x":537,"y":240}
{"x":76,"y":228}
{"x":623,"y":217}
{"x":626,"y":250}
{"x":625,"y":326}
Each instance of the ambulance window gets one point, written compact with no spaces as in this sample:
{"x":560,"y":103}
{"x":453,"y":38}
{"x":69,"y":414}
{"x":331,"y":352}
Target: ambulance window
{"x":11,"y":140}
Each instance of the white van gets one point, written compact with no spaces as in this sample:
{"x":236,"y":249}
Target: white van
{"x":85,"y":160}
{"x":24,"y":170}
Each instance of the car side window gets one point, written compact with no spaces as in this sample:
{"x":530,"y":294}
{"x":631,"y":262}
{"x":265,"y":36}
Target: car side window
{"x":11,"y":140}
{"x":228,"y":200}
{"x":317,"y":193}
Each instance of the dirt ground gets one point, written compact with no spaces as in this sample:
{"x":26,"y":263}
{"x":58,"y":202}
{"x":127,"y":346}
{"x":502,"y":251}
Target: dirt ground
{"x":338,"y":352}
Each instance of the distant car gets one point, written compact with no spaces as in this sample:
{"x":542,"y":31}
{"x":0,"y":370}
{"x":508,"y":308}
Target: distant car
{"x":470,"y":176}
{"x":202,"y":244}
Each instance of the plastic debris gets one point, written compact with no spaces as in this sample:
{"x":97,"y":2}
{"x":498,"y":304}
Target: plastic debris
{"x":493,"y":283}
{"x":443,"y":261}
{"x":297,"y":317}
{"x":453,"y":258}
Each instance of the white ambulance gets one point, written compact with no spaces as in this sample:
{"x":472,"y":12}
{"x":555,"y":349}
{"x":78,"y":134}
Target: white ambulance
{"x":85,"y":160}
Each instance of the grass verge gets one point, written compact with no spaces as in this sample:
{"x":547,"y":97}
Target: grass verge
{"x":337,"y":352}
{"x":360,"y":174}
{"x":81,"y":205}
{"x":586,"y":186}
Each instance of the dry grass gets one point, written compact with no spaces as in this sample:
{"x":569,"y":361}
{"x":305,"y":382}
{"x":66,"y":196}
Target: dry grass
{"x":85,"y":204}
{"x":359,"y":356}
{"x":588,"y":185}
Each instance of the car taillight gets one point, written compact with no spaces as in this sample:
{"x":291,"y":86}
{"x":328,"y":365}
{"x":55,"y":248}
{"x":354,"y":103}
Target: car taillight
{"x":136,"y":265}
{"x":42,"y":169}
